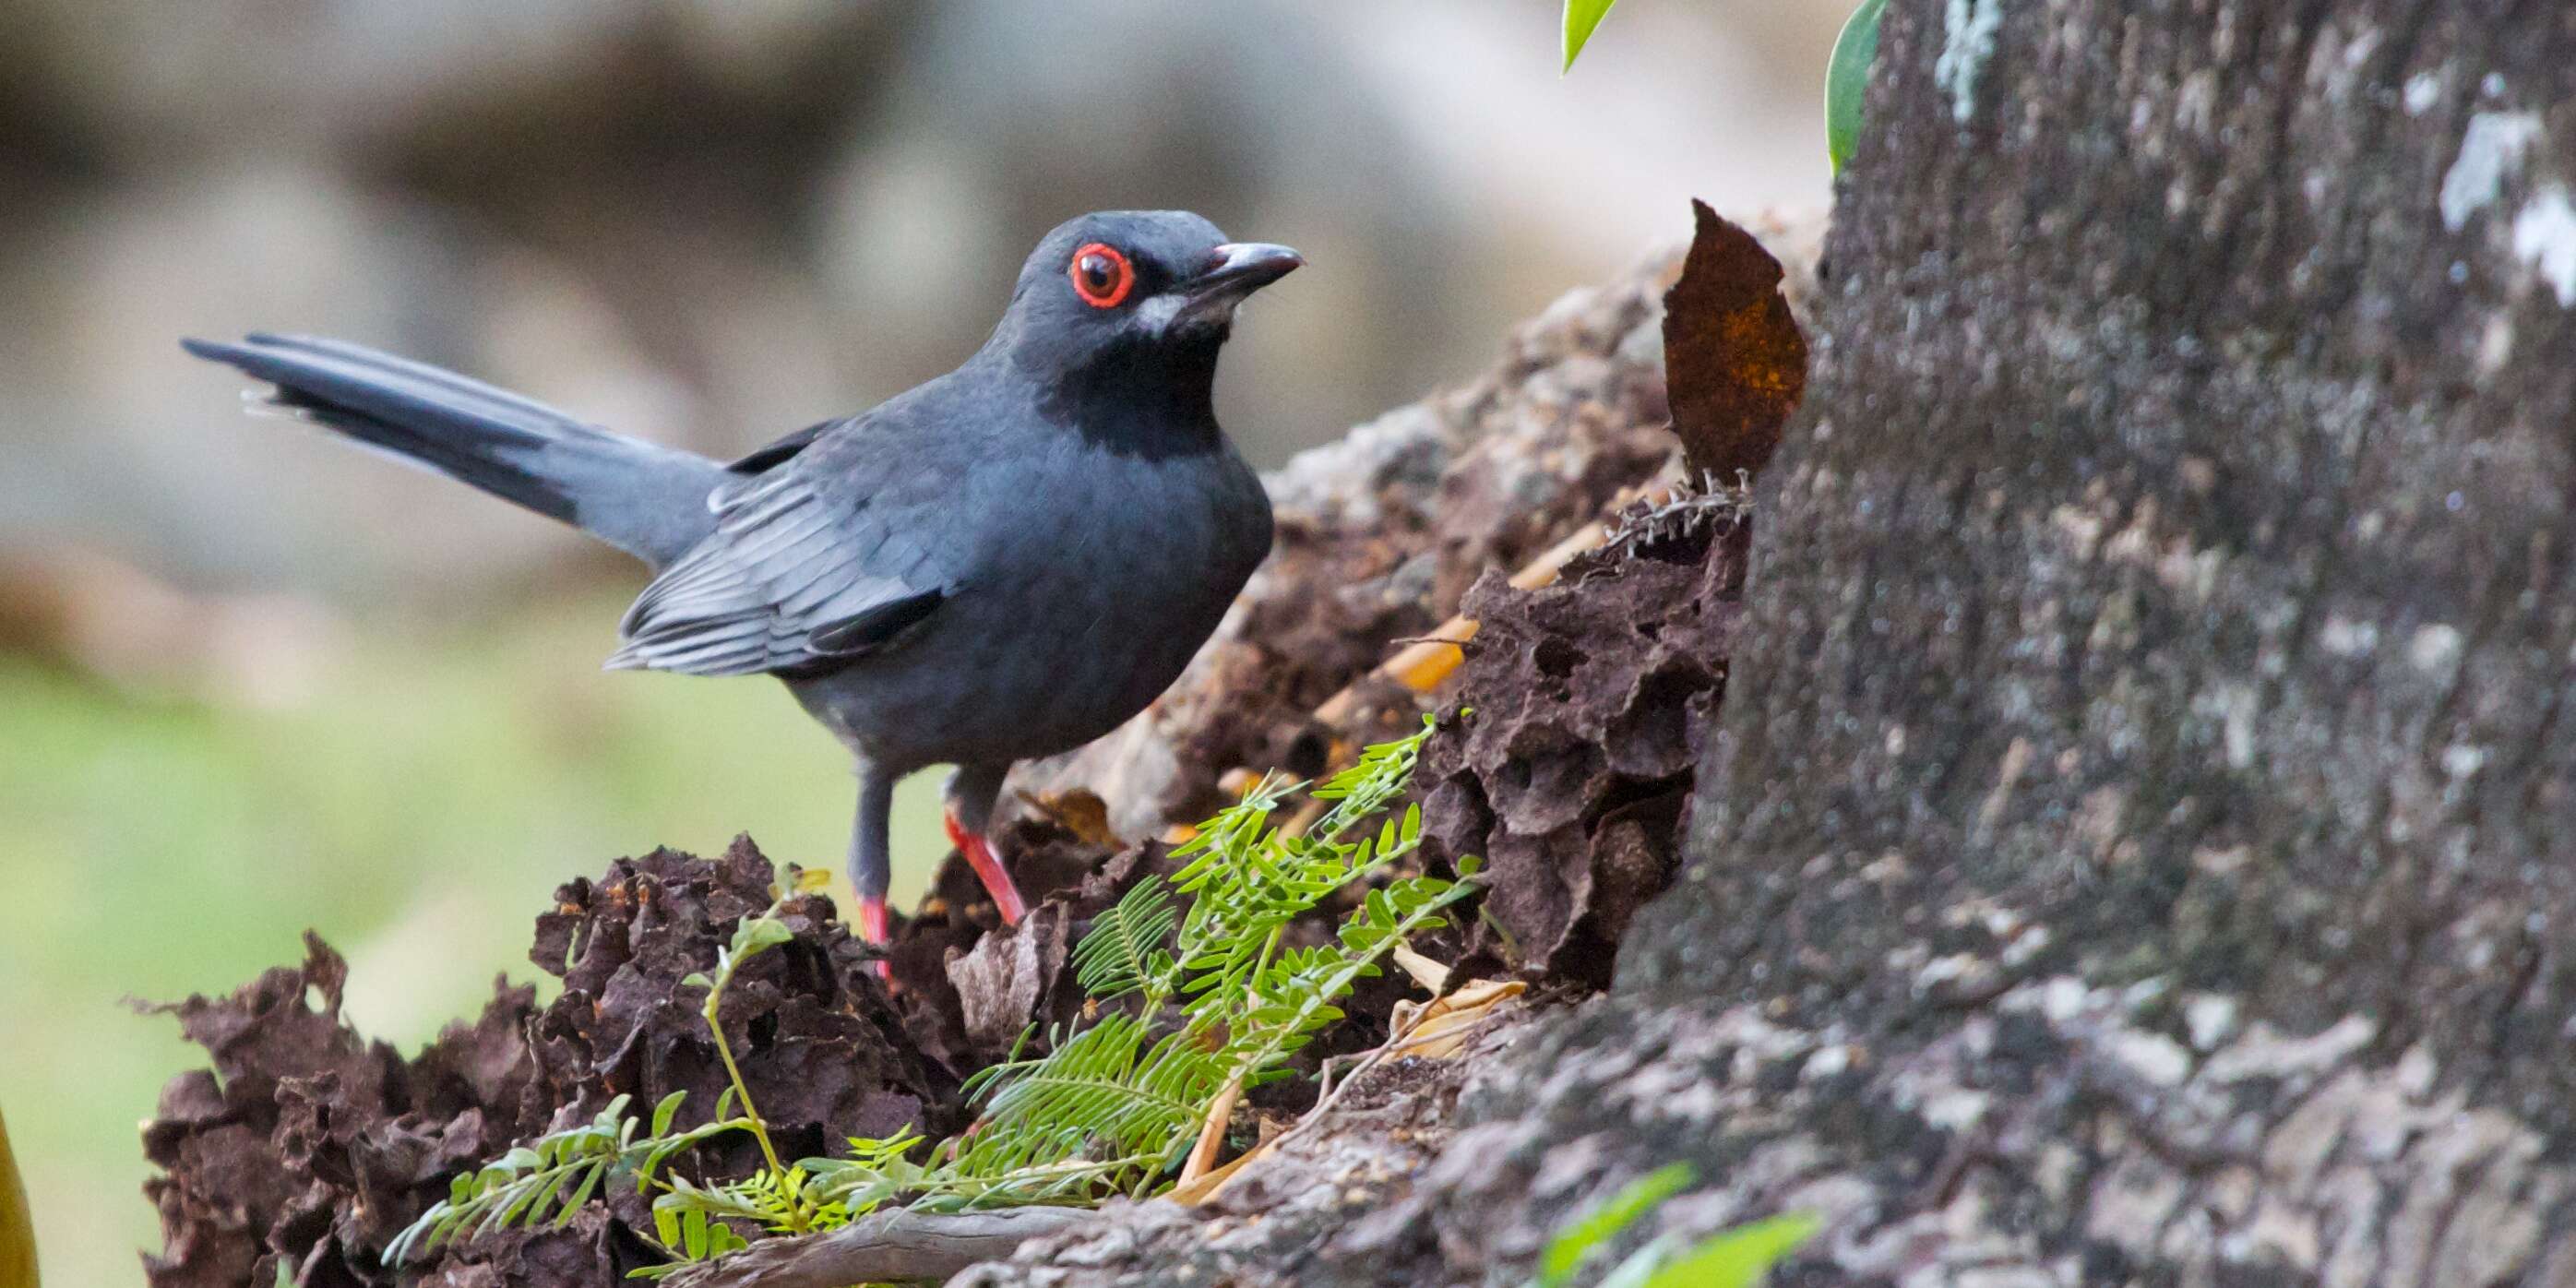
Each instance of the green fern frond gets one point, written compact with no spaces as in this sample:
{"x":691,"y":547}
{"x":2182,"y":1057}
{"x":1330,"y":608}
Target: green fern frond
{"x":1107,"y":1090}
{"x":1112,"y":1106}
{"x":1119,"y":953}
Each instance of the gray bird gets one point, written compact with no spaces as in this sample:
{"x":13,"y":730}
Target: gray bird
{"x":1003,"y":563}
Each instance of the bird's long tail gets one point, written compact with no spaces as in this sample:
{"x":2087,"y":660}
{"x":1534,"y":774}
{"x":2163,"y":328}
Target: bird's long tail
{"x":647,"y":500}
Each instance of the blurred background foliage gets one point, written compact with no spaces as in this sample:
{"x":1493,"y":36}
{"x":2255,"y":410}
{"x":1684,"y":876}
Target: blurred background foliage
{"x":251,"y":681}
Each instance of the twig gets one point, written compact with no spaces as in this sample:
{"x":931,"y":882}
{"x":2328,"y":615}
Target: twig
{"x":884,"y":1247}
{"x":1333,"y":1094}
{"x":1384,"y":1052}
{"x":1212,"y":1131}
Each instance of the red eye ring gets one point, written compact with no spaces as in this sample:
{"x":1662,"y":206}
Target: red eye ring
{"x":1101,"y":275}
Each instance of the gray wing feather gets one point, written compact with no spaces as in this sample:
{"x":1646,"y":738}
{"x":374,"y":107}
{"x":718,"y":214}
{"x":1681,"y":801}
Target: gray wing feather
{"x":802,"y":570}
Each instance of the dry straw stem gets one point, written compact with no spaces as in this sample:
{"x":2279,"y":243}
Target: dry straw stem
{"x":1212,"y":1132}
{"x":1440,"y":1032}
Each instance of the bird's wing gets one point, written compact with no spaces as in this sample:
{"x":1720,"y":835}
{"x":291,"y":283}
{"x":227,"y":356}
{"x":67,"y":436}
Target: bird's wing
{"x":785,"y":449}
{"x":810,"y":565}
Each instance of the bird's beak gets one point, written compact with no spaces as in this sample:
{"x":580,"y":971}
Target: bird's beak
{"x":1235,"y":270}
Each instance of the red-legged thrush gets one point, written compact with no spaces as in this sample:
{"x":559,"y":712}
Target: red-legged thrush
{"x":1005,"y":562}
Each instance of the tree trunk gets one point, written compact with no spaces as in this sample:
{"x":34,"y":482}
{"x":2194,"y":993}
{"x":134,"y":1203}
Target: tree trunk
{"x":2138,"y":846}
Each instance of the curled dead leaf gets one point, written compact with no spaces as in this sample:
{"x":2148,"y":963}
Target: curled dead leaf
{"x":1426,"y":972}
{"x":1439,"y":1029}
{"x":1734,"y":360}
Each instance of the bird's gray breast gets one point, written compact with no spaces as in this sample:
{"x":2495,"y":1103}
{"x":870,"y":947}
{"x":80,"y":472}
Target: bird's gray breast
{"x":1087,"y":582}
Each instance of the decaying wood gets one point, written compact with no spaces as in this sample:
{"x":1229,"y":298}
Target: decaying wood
{"x":884,"y":1247}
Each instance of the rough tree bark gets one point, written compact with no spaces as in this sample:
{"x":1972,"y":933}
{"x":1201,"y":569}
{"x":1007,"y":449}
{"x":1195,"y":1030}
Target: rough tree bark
{"x":2137,"y":848}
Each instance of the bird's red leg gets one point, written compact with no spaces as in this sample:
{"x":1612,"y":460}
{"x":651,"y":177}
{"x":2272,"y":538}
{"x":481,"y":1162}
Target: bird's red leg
{"x":988,"y":869}
{"x":876,"y":927}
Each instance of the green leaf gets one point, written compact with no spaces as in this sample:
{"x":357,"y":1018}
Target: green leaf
{"x":589,"y":1182}
{"x":1847,"y":82}
{"x":1574,"y":1242}
{"x":758,"y":934}
{"x":1736,"y":1258}
{"x":662,"y":1112}
{"x":1581,"y":16}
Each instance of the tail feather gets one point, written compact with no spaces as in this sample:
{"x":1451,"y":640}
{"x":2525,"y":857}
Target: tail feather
{"x":647,"y":500}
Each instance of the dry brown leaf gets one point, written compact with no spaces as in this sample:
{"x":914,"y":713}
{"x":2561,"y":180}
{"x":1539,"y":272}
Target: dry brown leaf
{"x":1734,"y":361}
{"x":1426,"y":972}
{"x":1440,"y":1029}
{"x":1081,"y":812}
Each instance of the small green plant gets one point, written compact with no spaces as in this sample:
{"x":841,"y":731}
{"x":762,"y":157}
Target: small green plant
{"x":1846,"y":71}
{"x":776,"y":1197}
{"x":692,"y":1236}
{"x":558,"y":1172}
{"x":1735,"y":1258}
{"x":555,"y":1174}
{"x":1581,"y":16}
{"x":1847,"y":81}
{"x":1112,"y":1107}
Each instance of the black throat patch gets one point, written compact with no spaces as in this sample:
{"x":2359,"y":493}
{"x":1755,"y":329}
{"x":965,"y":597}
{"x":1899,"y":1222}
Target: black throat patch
{"x":1146,"y":399}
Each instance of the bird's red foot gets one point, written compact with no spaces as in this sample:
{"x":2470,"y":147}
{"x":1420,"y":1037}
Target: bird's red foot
{"x":988,"y":869}
{"x":876,"y":926}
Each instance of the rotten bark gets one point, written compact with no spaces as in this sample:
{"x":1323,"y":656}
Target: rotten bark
{"x":886,"y":1247}
{"x":2133,"y":851}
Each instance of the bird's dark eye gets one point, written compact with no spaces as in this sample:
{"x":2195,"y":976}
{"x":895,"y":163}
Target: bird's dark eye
{"x":1102,"y":276}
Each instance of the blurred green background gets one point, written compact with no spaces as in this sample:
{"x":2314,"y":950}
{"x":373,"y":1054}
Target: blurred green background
{"x":417,"y":804}
{"x":253,"y":682}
